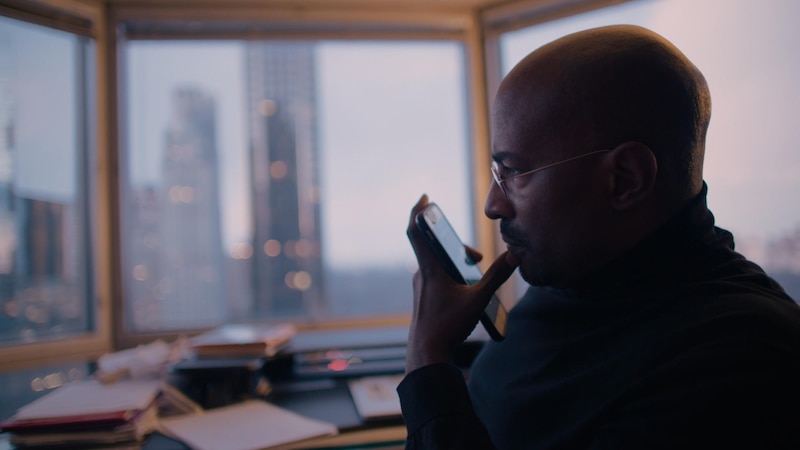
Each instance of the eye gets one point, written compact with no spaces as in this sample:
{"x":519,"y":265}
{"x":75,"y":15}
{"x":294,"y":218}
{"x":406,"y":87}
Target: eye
{"x":507,"y":172}
{"x":513,"y":172}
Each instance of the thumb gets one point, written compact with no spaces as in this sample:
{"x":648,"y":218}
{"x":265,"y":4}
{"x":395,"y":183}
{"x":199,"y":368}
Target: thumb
{"x":500,"y":270}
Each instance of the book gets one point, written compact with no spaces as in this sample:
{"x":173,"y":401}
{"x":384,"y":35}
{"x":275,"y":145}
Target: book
{"x":134,"y":430}
{"x":85,"y":413}
{"x":376,"y":396}
{"x":243,"y":340}
{"x":87,"y":403}
{"x":251,"y":424}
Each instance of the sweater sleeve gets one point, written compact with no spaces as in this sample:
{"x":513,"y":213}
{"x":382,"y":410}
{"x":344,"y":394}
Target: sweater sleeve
{"x":438,"y":412}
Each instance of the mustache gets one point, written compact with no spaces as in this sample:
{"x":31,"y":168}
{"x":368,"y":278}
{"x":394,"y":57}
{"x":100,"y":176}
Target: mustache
{"x":510,"y":234}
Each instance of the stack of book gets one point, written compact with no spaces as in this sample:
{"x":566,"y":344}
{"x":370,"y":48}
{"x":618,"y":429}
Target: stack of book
{"x":243,"y":340}
{"x":86,"y":414}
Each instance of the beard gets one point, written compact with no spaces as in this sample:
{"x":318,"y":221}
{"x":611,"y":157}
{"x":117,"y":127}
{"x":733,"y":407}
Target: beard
{"x":532,"y":269}
{"x":517,"y":244}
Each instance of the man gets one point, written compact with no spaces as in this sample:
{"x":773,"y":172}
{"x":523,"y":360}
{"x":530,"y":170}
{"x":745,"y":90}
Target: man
{"x":642,"y":327}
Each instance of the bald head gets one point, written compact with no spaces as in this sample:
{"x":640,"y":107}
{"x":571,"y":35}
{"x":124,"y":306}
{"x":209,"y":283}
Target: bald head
{"x":603,"y":87}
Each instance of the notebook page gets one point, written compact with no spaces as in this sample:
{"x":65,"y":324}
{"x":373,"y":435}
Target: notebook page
{"x":250,"y":425}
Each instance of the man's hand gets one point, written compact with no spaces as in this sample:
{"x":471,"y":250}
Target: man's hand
{"x":445,"y":311}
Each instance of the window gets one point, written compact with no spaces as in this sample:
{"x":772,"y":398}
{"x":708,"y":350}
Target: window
{"x":45,"y":262}
{"x":747,"y":52}
{"x":272,"y":180}
{"x":21,"y":387}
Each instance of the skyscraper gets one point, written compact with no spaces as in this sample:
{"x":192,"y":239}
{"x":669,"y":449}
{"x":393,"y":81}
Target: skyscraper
{"x":287,"y":268}
{"x":7,"y":235}
{"x":191,"y":262}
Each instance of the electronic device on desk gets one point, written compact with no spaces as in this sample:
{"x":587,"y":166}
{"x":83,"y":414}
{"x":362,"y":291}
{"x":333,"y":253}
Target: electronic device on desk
{"x":322,"y":363}
{"x":333,"y":374}
{"x":345,"y":353}
{"x":350,"y":362}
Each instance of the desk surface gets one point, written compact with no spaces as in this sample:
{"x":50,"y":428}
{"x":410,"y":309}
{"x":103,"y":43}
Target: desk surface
{"x":326,"y":400}
{"x":383,"y":438}
{"x":325,"y":396}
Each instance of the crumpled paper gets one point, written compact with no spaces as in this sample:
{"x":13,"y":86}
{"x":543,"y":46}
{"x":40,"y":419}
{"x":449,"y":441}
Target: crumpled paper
{"x":145,"y":361}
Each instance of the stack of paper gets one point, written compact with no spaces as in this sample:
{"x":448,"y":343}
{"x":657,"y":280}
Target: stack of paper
{"x":249,"y":425}
{"x":87,"y":413}
{"x":243,"y":340}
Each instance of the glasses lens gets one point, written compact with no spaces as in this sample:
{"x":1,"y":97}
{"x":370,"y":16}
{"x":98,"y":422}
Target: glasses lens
{"x":496,"y":177}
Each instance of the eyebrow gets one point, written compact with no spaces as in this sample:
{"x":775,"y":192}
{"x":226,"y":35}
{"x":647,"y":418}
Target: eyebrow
{"x":506,"y":156}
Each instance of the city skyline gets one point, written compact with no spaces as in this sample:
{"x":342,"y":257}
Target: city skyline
{"x":747,"y":193}
{"x":350,"y":137}
{"x":746,"y":190}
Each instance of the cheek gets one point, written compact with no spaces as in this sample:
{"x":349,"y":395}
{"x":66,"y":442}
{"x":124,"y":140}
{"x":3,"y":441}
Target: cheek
{"x":552,"y":238}
{"x":560,"y":232}
{"x":539,"y":220}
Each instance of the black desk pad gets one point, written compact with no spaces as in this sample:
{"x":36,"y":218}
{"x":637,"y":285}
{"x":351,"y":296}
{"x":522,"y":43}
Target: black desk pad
{"x":328,"y":400}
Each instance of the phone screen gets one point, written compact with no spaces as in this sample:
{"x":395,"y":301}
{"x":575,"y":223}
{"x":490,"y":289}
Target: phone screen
{"x":450,"y":250}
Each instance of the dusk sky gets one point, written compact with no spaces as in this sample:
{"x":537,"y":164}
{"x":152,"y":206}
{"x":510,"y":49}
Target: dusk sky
{"x":747,"y":51}
{"x":393,"y":119}
{"x":391,"y":125}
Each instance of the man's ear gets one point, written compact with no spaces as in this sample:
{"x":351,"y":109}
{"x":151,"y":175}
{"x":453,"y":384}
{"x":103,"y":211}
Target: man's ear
{"x":633,"y":174}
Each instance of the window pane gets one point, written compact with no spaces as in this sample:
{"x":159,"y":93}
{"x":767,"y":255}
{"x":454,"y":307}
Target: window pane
{"x":747,"y":51}
{"x":272,"y":180}
{"x":43,"y":247}
{"x":20,"y":387}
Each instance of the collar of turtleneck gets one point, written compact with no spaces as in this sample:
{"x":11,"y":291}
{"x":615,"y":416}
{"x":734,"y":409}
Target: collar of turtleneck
{"x":671,"y":253}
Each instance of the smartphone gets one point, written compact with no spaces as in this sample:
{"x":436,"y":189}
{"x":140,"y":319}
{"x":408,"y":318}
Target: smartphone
{"x":451,"y":252}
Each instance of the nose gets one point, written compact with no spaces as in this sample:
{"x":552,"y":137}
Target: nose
{"x":497,"y":205}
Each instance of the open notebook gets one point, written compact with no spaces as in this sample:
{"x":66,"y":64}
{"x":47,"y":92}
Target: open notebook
{"x":252,"y":424}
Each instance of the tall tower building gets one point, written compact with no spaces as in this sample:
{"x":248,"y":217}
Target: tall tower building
{"x":191,"y":240}
{"x":7,"y":234}
{"x":287,"y":268}
{"x":145,"y":303}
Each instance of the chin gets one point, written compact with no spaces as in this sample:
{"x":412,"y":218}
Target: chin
{"x":536,"y":277}
{"x":530,"y":276}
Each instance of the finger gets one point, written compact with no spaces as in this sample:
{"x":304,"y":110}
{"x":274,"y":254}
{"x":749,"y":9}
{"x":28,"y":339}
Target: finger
{"x":497,"y":274}
{"x":426,"y":258}
{"x":412,"y":228}
{"x":415,"y":235}
{"x":474,"y":254}
{"x":419,"y":206}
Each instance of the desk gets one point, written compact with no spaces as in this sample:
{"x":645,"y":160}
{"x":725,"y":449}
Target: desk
{"x":384,"y":438}
{"x":310,"y":378}
{"x":311,"y":390}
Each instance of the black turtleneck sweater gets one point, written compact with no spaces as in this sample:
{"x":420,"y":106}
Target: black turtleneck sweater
{"x":681,"y":343}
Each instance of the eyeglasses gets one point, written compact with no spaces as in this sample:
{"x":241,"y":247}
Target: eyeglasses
{"x":500,"y":179}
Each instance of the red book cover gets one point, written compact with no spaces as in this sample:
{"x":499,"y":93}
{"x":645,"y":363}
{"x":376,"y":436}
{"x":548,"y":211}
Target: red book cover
{"x":85,"y":404}
{"x":98,"y":420}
